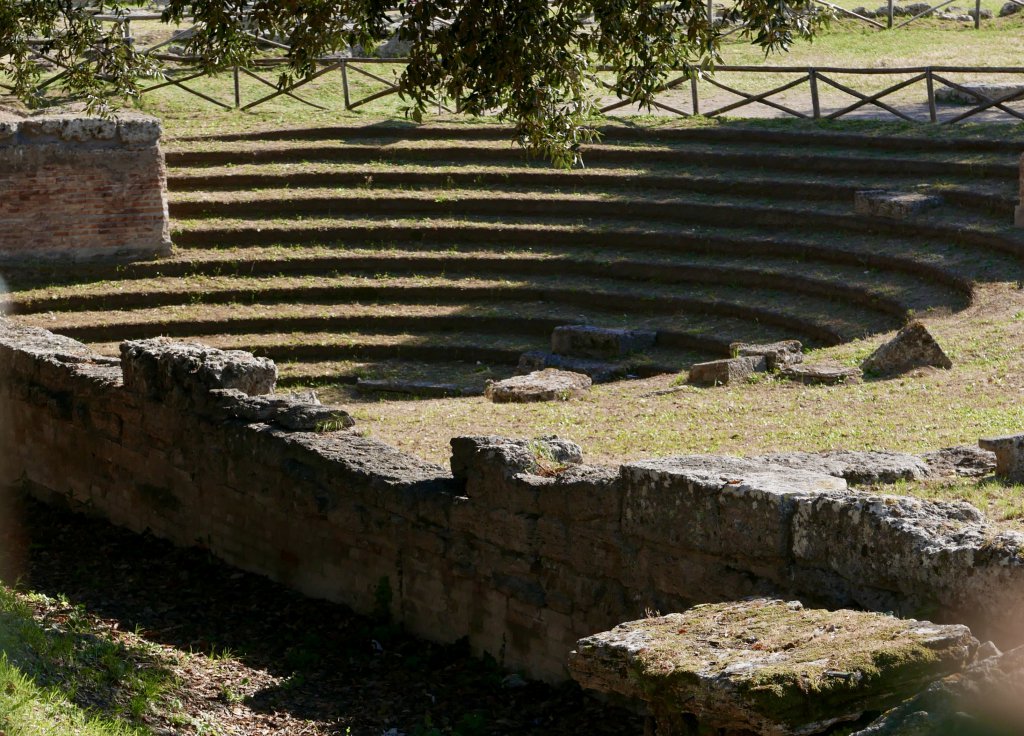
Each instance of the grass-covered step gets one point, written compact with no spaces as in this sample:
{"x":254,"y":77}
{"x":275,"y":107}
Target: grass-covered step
{"x":995,"y":195}
{"x":893,"y":293}
{"x":818,"y":319}
{"x":448,"y":152}
{"x":322,"y":346}
{"x":708,"y":334}
{"x":720,"y":132}
{"x":704,"y":224}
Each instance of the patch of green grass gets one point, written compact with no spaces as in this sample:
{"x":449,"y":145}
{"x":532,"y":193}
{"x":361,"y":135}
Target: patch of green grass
{"x":59,"y":675}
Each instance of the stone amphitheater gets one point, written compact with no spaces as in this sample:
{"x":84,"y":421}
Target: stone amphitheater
{"x":390,"y":251}
{"x":777,"y":595}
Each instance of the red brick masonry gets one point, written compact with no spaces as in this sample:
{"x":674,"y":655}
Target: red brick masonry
{"x":75,"y":187}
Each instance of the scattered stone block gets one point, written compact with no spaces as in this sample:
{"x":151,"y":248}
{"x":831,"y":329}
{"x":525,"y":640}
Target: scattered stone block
{"x":725,"y":372}
{"x":599,"y":371}
{"x":912,"y":347}
{"x":415,"y":388}
{"x":1009,"y":452}
{"x":769,"y":666}
{"x":826,"y":374}
{"x":976,"y":93}
{"x":775,"y":354}
{"x":1009,"y":9}
{"x":549,"y":384}
{"x":896,"y":205}
{"x":585,"y":341}
{"x":963,"y":460}
{"x":857,"y":468}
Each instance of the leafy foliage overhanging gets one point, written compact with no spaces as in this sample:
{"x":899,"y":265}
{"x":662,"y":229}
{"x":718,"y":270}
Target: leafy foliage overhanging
{"x":528,"y":61}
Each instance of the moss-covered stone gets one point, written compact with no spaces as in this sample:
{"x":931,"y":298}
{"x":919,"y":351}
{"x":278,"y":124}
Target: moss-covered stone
{"x":770,"y":666}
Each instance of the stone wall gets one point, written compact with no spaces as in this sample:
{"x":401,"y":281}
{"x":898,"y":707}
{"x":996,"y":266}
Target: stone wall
{"x":516,"y":547}
{"x":74,"y":187}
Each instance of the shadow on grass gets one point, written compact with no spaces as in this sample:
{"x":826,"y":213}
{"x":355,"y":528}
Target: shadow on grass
{"x":337,"y":668}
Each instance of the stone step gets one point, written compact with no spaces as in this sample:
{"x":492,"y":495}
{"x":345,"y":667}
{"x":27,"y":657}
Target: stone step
{"x":729,"y":133}
{"x":447,"y":152}
{"x":997,"y":197}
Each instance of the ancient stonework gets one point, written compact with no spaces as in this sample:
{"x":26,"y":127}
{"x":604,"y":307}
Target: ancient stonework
{"x":769,"y":667}
{"x":912,"y":347}
{"x":896,"y":205}
{"x":77,"y":187}
{"x":987,"y":700}
{"x":519,"y":546}
{"x":549,"y":384}
{"x":776,"y":354}
{"x":822,"y":374}
{"x":586,"y":341}
{"x":724,"y":372}
{"x":1009,"y":452}
{"x":857,"y":468}
{"x":599,"y":371}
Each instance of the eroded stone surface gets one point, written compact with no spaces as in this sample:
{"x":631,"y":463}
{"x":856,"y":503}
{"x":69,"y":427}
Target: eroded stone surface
{"x":1009,"y":451}
{"x":826,"y":374}
{"x":301,"y":413}
{"x":516,"y":455}
{"x":586,"y":341}
{"x":855,"y":467}
{"x":159,"y":367}
{"x":963,"y":460}
{"x":897,"y":205}
{"x":775,"y":354}
{"x":770,"y":666}
{"x":912,"y":347}
{"x":987,"y":700}
{"x":725,"y":372}
{"x":549,"y":384}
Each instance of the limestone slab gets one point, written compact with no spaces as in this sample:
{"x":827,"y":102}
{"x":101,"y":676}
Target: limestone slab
{"x":770,"y":667}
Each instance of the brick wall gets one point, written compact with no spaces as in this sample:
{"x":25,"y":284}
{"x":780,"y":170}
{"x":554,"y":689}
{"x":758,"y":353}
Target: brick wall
{"x":73,"y":187}
{"x":521,"y":562}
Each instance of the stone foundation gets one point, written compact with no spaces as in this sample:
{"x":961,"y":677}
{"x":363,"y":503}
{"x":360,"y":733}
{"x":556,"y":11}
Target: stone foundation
{"x":521,"y":549}
{"x":74,"y":187}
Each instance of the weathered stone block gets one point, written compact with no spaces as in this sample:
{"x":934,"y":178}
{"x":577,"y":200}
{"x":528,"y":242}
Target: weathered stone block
{"x":855,"y":467}
{"x":976,"y":92}
{"x":769,"y":667}
{"x":1009,"y":452}
{"x":585,"y":341}
{"x":912,"y":347}
{"x":549,"y":384}
{"x":822,"y":374}
{"x":725,"y":372}
{"x":775,"y":354}
{"x":897,"y":205}
{"x":160,"y":367}
{"x":295,"y":413}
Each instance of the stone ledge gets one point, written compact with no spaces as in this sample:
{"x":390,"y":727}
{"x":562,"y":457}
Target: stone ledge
{"x":769,"y":667}
{"x":129,"y":129}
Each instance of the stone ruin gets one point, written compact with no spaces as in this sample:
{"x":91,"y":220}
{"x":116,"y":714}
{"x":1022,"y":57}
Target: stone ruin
{"x":792,"y":601}
{"x":77,"y":187}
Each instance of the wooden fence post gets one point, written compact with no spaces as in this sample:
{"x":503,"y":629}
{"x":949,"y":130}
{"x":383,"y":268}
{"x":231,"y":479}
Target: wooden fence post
{"x":238,"y":89}
{"x":812,"y":79}
{"x":344,"y":83}
{"x":889,"y":13}
{"x":693,"y":95}
{"x":977,"y":14}
{"x":932,"y":116}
